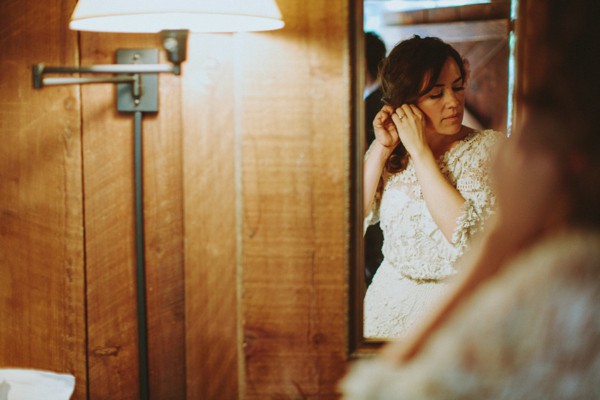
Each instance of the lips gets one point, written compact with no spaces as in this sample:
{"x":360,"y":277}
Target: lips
{"x":452,"y":117}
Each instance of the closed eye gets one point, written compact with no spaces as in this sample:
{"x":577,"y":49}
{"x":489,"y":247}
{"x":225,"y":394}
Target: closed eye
{"x":441,"y":93}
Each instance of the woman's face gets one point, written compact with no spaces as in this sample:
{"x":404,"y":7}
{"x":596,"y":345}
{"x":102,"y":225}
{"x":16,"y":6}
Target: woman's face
{"x":444,"y":105}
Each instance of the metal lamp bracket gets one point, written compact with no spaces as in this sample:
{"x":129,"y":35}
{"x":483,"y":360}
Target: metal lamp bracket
{"x":136,"y":73}
{"x":142,"y":93}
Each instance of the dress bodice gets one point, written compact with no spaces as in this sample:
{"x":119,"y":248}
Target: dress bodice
{"x":412,"y":241}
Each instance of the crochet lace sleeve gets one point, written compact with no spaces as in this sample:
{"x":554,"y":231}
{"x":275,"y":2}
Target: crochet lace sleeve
{"x":473,"y":182}
{"x":373,"y":216}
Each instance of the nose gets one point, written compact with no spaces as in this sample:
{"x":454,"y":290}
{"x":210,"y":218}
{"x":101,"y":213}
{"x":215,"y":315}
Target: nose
{"x":452,"y":98}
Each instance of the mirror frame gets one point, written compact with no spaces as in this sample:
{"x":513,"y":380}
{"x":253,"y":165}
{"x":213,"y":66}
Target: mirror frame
{"x":357,"y":345}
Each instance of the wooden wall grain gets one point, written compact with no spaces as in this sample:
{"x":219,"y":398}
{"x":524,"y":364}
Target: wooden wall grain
{"x":42,"y":321}
{"x":245,"y":194}
{"x":209,"y":111}
{"x":294,"y":94}
{"x":267,"y":113}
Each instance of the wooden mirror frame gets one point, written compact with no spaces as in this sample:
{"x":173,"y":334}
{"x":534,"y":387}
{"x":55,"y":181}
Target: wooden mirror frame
{"x":357,"y":345}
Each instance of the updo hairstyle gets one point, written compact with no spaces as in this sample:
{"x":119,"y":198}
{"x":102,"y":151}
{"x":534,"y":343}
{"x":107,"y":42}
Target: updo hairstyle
{"x":411,"y":70}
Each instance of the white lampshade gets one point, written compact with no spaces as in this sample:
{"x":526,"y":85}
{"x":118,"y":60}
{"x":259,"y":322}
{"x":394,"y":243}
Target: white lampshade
{"x":149,"y":16}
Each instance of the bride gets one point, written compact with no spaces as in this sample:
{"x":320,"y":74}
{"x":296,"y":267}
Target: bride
{"x":425,"y":181}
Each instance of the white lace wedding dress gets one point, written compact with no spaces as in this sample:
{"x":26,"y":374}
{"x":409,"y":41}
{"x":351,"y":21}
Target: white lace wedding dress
{"x":417,"y":256}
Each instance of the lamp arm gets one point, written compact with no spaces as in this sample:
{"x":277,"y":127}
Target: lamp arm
{"x":40,"y":69}
{"x":78,"y":81}
{"x":174,"y":43}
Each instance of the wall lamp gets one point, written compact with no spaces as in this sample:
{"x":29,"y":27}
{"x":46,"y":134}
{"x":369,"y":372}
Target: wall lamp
{"x":136,"y":76}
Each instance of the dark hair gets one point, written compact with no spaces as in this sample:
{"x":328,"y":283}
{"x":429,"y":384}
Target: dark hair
{"x":563,"y":99}
{"x":375,"y":51}
{"x":403,"y":73}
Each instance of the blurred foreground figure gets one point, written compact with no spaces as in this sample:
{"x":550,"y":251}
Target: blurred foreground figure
{"x":375,"y":52}
{"x":524,"y":320}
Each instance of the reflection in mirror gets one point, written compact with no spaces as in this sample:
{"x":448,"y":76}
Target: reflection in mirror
{"x":403,"y":274}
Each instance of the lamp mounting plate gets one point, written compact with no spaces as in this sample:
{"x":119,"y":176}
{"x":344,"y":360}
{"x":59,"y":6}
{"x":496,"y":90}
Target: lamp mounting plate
{"x":144,"y":98}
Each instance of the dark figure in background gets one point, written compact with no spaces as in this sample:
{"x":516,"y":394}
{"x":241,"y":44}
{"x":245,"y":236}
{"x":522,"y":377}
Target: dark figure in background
{"x":375,"y":51}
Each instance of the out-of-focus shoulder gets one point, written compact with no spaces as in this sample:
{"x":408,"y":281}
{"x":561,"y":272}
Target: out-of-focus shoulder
{"x":484,"y":139}
{"x":487,"y":135}
{"x":477,"y":142}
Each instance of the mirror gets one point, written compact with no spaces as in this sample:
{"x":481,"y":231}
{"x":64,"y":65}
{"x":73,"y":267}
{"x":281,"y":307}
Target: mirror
{"x":482,"y":32}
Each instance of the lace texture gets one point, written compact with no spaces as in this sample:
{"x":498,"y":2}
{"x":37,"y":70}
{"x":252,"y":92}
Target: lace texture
{"x":414,"y":247}
{"x":531,"y":333}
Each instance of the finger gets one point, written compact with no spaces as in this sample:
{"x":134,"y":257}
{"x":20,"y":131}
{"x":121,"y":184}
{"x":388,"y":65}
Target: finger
{"x":398,"y":118}
{"x":409,"y":115}
{"x":389,"y":109}
{"x":406,"y":109}
{"x":400,"y":113}
{"x":419,"y":116}
{"x":386,"y":122}
{"x":412,"y":111}
{"x":382,"y":115}
{"x":416,"y":111}
{"x":409,"y":112}
{"x":386,"y":111}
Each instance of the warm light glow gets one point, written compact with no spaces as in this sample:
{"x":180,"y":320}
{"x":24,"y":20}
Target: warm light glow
{"x":411,"y":5}
{"x":149,"y":16}
{"x":374,"y":10}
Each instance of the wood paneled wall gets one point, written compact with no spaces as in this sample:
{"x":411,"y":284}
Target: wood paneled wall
{"x":42,"y":302}
{"x":211,"y":118}
{"x":245,"y":169}
{"x":110,"y":234}
{"x":293,"y":145}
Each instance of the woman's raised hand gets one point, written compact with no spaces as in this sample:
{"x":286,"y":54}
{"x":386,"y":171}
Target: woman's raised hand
{"x":410,"y":125}
{"x":405,"y":124}
{"x":385,"y":128}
